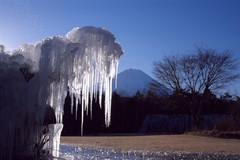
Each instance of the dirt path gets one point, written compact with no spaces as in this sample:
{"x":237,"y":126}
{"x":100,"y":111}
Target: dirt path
{"x":188,"y":143}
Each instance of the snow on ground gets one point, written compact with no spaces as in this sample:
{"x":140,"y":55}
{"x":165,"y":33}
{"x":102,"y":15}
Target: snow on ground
{"x":70,"y":152}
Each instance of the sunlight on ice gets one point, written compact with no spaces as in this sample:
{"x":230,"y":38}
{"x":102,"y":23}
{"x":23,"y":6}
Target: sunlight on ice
{"x":83,"y":63}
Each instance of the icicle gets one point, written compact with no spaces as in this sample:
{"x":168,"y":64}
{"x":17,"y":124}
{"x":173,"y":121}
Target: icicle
{"x":72,"y":103}
{"x":116,"y":71}
{"x":76,"y":108}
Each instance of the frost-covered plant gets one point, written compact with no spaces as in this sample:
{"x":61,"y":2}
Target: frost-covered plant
{"x":38,"y":149}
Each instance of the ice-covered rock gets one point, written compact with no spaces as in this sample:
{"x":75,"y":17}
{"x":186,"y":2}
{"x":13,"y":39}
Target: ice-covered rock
{"x":82,"y":63}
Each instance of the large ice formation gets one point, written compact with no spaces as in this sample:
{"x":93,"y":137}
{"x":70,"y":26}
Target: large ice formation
{"x":39,"y":75}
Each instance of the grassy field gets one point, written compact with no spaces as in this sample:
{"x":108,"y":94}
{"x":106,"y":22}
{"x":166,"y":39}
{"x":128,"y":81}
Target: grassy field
{"x":189,"y":143}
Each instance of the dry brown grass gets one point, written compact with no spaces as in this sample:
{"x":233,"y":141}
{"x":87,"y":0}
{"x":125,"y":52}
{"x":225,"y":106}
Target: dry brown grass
{"x":189,"y":143}
{"x":217,"y":134}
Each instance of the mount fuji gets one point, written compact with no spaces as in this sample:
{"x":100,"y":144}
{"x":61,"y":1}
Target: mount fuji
{"x":132,"y":80}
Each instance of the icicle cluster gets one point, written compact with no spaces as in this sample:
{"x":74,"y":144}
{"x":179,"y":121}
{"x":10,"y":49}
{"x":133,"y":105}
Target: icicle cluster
{"x":94,"y":70}
{"x":82,"y":63}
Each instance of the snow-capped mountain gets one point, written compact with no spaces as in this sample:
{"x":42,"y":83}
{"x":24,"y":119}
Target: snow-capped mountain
{"x":132,"y":80}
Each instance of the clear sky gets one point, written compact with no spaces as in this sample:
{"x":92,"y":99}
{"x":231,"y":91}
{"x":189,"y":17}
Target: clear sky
{"x":146,"y":29}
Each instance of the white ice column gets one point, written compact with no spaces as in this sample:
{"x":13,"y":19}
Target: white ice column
{"x":54,"y":138}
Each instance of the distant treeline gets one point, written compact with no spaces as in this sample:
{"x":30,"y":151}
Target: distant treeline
{"x":128,"y":113}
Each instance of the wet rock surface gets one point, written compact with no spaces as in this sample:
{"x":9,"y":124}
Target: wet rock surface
{"x":75,"y":152}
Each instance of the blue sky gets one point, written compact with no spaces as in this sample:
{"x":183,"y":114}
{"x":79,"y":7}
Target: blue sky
{"x":147,"y":30}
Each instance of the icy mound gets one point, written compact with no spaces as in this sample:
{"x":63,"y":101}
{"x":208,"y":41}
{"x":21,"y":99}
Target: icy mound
{"x":83,"y":62}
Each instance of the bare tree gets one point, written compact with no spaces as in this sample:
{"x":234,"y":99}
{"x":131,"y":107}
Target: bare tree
{"x":168,"y":72}
{"x":218,"y":69}
{"x":195,"y":76}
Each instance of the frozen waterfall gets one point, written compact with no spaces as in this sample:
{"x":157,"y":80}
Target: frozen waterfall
{"x":39,"y":75}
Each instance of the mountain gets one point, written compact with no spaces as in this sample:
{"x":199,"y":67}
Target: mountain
{"x":132,"y":80}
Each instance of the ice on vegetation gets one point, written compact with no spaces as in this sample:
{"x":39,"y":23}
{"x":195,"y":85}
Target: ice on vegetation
{"x":83,"y":63}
